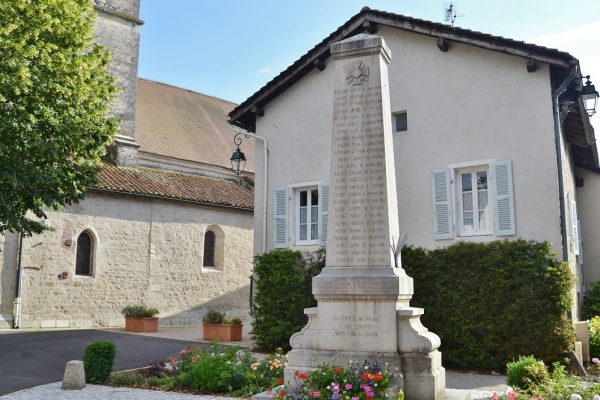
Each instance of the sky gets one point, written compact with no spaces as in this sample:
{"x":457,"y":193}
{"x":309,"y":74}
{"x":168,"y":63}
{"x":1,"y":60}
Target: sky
{"x":231,"y":48}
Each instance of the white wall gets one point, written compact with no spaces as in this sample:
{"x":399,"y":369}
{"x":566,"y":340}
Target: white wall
{"x":588,"y":197}
{"x":464,"y":105}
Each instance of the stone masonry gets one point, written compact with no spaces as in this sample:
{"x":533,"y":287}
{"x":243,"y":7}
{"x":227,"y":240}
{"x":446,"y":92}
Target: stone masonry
{"x":146,"y":252}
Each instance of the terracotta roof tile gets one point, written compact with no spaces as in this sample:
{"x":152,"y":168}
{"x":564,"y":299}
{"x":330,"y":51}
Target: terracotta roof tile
{"x":186,"y":125}
{"x":174,"y":185}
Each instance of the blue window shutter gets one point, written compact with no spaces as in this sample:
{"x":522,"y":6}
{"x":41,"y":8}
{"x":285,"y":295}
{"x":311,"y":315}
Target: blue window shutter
{"x":574,"y":228}
{"x":442,"y":204}
{"x":323,"y":212}
{"x":503,"y":198}
{"x":280,"y":230}
{"x":580,"y":243}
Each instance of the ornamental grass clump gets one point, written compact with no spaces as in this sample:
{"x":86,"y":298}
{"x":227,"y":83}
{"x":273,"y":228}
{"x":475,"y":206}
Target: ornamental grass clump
{"x":353,"y":382}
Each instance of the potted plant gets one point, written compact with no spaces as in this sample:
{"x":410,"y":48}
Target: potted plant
{"x":140,"y":319}
{"x":216,"y":326}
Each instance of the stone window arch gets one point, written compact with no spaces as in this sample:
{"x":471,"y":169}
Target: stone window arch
{"x":84,"y":258}
{"x":213,"y":248}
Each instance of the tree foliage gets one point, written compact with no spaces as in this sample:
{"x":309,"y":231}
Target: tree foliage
{"x":55,"y":91}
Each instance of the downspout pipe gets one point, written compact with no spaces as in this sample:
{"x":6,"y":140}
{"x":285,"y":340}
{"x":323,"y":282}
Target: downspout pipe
{"x":17,"y":317}
{"x":265,"y":175}
{"x":558,"y":143}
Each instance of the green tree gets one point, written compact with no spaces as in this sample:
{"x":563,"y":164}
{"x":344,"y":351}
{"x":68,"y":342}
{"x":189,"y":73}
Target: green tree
{"x":55,"y":91}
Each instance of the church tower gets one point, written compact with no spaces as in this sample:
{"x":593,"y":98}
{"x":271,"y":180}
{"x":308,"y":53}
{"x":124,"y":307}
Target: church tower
{"x":118,"y":28}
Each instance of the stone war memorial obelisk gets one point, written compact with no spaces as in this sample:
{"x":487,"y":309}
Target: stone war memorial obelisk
{"x":363,"y":310}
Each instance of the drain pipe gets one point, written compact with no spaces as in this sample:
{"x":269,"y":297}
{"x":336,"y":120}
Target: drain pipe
{"x":264,"y":206}
{"x":558,"y":143}
{"x":265,"y":175}
{"x":17,"y":317}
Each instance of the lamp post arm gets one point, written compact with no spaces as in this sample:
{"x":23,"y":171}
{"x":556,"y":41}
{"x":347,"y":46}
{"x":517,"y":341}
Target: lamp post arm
{"x":265,"y":176}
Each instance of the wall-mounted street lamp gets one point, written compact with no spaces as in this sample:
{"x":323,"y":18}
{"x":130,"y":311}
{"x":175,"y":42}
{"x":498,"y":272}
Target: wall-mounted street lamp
{"x":238,"y":159}
{"x":589,"y":95}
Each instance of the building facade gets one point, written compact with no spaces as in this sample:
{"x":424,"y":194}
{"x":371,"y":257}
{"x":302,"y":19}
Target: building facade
{"x":487,"y":143}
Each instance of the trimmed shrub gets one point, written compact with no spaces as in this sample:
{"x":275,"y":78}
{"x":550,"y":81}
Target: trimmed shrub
{"x":591,"y":302}
{"x":98,"y":359}
{"x":491,"y":302}
{"x":283,"y":291}
{"x":595,"y":337}
{"x":526,"y":373}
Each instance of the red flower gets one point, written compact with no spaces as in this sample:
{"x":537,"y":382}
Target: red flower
{"x":378,"y":377}
{"x":269,"y":389}
{"x":364,"y":376}
{"x":302,"y":376}
{"x":280,"y":381}
{"x":281,"y":394}
{"x":338,"y":370}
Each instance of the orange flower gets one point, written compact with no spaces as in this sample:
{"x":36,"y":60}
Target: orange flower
{"x":302,"y":376}
{"x":377,"y":377}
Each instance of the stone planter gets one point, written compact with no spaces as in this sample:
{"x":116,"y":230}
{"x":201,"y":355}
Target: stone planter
{"x":141,"y":324}
{"x":222,"y":332}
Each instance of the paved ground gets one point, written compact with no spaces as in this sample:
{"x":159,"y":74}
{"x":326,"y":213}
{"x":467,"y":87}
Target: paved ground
{"x":38,"y":357}
{"x":28,"y":357}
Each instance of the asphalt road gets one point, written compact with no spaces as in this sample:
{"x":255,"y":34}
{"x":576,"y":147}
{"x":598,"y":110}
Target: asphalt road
{"x":29,"y":359}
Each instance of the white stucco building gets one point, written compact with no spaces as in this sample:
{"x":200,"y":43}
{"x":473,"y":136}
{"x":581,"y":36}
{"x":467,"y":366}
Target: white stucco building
{"x":490,"y":137}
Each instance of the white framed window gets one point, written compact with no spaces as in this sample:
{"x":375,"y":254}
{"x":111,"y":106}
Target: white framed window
{"x":482,"y":194}
{"x":399,"y":121}
{"x":307,"y":216}
{"x":474,"y":215}
{"x":307,"y":209}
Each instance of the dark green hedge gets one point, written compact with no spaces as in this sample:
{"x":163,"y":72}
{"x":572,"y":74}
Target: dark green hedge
{"x":493,"y":302}
{"x":283,"y":291}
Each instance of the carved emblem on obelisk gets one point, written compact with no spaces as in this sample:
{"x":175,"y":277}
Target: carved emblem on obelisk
{"x":357,"y":73}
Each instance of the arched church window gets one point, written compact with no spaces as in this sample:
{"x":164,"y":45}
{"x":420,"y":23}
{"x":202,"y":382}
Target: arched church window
{"x":83,"y":261}
{"x":209,"y":249}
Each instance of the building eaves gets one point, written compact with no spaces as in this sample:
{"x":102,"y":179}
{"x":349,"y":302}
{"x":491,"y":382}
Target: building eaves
{"x":175,"y":186}
{"x":244,"y":116}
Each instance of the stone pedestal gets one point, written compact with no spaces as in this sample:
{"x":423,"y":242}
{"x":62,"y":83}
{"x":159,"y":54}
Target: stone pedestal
{"x":74,"y":378}
{"x":363,"y":294}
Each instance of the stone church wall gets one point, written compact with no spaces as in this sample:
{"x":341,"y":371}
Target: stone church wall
{"x":145,"y":252}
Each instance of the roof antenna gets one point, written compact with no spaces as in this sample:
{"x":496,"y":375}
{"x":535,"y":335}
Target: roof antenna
{"x":450,"y":13}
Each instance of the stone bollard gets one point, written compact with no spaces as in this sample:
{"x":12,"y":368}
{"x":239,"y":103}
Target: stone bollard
{"x":74,"y":378}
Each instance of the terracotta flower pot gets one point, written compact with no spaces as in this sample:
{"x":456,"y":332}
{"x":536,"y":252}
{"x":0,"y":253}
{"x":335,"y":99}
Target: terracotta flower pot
{"x":223,"y":332}
{"x":140,"y":324}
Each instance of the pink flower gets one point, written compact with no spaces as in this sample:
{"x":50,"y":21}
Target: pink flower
{"x":595,"y":360}
{"x":348,"y":386}
{"x":315,"y":394}
{"x":495,"y":396}
{"x":512,"y":395}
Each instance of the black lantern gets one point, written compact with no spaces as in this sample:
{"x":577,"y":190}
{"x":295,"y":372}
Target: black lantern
{"x":238,"y":159}
{"x":589,"y":95}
